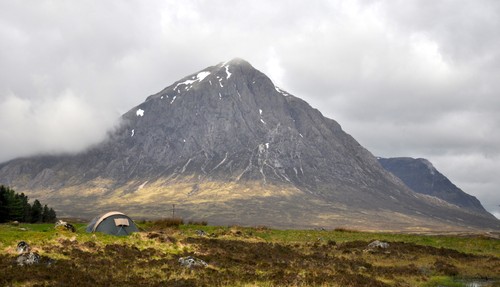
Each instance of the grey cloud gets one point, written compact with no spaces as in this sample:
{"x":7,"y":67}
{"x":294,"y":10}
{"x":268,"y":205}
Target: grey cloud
{"x":464,"y":29}
{"x":405,"y":78}
{"x":63,"y":124}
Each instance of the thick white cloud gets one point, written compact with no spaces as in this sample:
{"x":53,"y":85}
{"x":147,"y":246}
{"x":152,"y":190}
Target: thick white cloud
{"x":405,"y":78}
{"x":65,"y":123}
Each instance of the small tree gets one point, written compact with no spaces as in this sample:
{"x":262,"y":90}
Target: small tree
{"x":36,"y":212}
{"x":26,"y":208}
{"x":52,"y":215}
{"x":45,"y":213}
{"x":16,"y":208}
{"x":4,"y":212}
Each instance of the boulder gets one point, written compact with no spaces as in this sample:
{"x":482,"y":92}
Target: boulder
{"x":378,"y":244}
{"x":201,"y":233}
{"x":65,"y":225}
{"x":29,"y":258}
{"x":60,"y":223}
{"x":23,"y":247}
{"x":192,"y":262}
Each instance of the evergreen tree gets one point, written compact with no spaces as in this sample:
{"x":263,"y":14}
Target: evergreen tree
{"x":16,"y":208}
{"x":52,"y":215}
{"x":45,"y":213}
{"x":11,"y":205}
{"x":26,"y":208}
{"x":4,"y":212}
{"x":36,"y":212}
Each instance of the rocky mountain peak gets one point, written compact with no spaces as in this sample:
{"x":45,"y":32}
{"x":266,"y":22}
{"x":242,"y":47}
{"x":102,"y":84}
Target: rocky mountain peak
{"x":231,"y":116}
{"x":238,"y":62}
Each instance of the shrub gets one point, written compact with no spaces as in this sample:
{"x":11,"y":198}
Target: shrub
{"x":167,"y":222}
{"x":197,"y":222}
{"x":343,"y":229}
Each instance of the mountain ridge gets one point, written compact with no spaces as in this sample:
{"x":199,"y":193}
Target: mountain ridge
{"x":421,"y":176}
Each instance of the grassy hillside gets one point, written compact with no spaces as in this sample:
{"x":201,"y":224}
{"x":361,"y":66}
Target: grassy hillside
{"x":238,"y":256}
{"x":247,"y":203}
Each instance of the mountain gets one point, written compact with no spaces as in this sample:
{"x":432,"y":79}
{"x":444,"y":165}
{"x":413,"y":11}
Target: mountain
{"x":422,"y":177}
{"x":226,"y":145}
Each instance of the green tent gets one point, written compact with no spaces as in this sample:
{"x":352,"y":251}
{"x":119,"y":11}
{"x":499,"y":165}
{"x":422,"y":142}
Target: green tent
{"x":114,"y":223}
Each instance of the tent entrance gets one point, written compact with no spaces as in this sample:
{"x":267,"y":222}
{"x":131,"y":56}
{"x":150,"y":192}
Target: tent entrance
{"x":121,"y":222}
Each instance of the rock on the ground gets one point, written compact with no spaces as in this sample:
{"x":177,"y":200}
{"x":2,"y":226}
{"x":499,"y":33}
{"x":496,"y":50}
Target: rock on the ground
{"x":192,"y":262}
{"x":29,"y":258}
{"x":64,"y":224}
{"x":23,"y":247}
{"x":378,"y":244}
{"x":201,"y":233}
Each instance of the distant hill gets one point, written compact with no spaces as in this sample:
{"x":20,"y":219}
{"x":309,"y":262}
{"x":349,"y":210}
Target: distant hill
{"x":228,"y":146}
{"x":422,"y":177}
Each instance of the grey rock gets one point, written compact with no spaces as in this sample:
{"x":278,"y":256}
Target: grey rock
{"x":60,"y":223}
{"x":192,"y":262}
{"x":378,"y":244}
{"x":201,"y":233}
{"x":65,"y":225}
{"x":23,"y":247}
{"x":29,"y":258}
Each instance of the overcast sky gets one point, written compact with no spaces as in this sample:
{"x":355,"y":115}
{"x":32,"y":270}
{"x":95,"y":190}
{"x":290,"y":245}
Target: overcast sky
{"x":405,"y":78}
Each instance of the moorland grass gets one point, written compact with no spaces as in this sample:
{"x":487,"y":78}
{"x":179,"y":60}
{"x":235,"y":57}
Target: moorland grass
{"x":244,"y":256}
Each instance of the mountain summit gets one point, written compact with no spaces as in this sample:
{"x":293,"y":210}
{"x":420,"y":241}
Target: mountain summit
{"x":226,"y":145}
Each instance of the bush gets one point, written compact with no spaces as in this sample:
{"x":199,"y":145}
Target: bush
{"x":197,"y":222}
{"x":167,"y":222}
{"x":343,"y":229}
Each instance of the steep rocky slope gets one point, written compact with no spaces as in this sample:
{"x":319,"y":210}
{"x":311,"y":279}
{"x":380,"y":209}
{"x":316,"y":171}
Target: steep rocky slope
{"x":421,"y":176}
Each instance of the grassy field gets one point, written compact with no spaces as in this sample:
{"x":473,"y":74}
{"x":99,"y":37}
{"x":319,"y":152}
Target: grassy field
{"x":238,"y":256}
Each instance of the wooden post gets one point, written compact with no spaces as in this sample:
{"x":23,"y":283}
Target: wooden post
{"x":173,"y":211}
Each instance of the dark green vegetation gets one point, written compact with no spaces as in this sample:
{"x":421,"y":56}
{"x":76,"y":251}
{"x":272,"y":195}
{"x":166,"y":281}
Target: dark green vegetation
{"x":15,"y":207}
{"x":240,"y":256}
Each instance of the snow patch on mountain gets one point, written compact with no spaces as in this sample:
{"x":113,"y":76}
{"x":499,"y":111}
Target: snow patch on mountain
{"x":227,"y":72}
{"x":281,"y":91}
{"x":188,"y":83}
